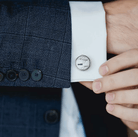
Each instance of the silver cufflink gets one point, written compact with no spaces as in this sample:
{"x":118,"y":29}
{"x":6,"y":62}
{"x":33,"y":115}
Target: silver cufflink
{"x":83,"y":62}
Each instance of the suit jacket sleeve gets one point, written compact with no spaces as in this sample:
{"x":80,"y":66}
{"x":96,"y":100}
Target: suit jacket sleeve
{"x":35,"y":37}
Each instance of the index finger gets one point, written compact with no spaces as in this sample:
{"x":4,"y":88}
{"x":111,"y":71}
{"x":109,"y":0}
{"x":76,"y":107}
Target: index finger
{"x":125,"y":60}
{"x":121,"y":80}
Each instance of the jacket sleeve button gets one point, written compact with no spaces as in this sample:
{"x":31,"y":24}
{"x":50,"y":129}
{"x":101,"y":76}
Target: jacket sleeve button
{"x":24,"y":75}
{"x":11,"y":75}
{"x":36,"y":75}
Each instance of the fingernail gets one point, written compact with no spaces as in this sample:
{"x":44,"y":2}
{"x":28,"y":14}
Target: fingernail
{"x":103,"y":70}
{"x":110,"y":108}
{"x":97,"y":86}
{"x":110,"y":97}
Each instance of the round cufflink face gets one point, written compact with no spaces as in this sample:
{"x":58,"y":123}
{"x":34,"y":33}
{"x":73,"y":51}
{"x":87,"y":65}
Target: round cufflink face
{"x":36,"y":75}
{"x":1,"y":76}
{"x":83,"y":63}
{"x":11,"y":75}
{"x":24,"y":75}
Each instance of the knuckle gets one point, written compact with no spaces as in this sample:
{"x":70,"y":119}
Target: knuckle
{"x":135,"y":115}
{"x":134,"y":73}
{"x":111,"y":82}
{"x":134,"y":97}
{"x":120,"y":98}
{"x":117,"y":60}
{"x":119,"y":111}
{"x":134,"y":51}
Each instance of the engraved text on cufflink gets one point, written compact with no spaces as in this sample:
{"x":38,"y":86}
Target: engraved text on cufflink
{"x":83,"y":62}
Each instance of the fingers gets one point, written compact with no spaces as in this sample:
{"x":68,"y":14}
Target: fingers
{"x":122,"y":97}
{"x":125,"y":60}
{"x":113,"y":80}
{"x":129,"y":114}
{"x":116,"y":81}
{"x":119,"y":80}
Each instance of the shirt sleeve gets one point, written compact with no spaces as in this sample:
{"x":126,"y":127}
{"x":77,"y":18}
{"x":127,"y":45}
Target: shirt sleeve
{"x":88,"y":40}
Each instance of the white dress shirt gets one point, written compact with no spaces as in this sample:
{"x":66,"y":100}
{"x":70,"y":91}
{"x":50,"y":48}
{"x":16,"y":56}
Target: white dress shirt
{"x":89,"y":39}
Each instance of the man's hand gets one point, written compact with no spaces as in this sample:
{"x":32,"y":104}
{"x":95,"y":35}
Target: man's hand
{"x":120,"y":83}
{"x":122,"y":28}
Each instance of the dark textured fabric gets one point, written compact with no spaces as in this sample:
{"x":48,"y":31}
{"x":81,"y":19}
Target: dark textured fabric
{"x":46,"y":37}
{"x":36,"y":35}
{"x":97,"y":122}
{"x":22,"y":111}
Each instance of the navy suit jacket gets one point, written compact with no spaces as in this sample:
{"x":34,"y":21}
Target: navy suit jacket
{"x":36,"y":35}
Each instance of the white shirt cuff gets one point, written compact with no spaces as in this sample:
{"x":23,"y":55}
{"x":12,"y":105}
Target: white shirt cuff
{"x":88,"y":38}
